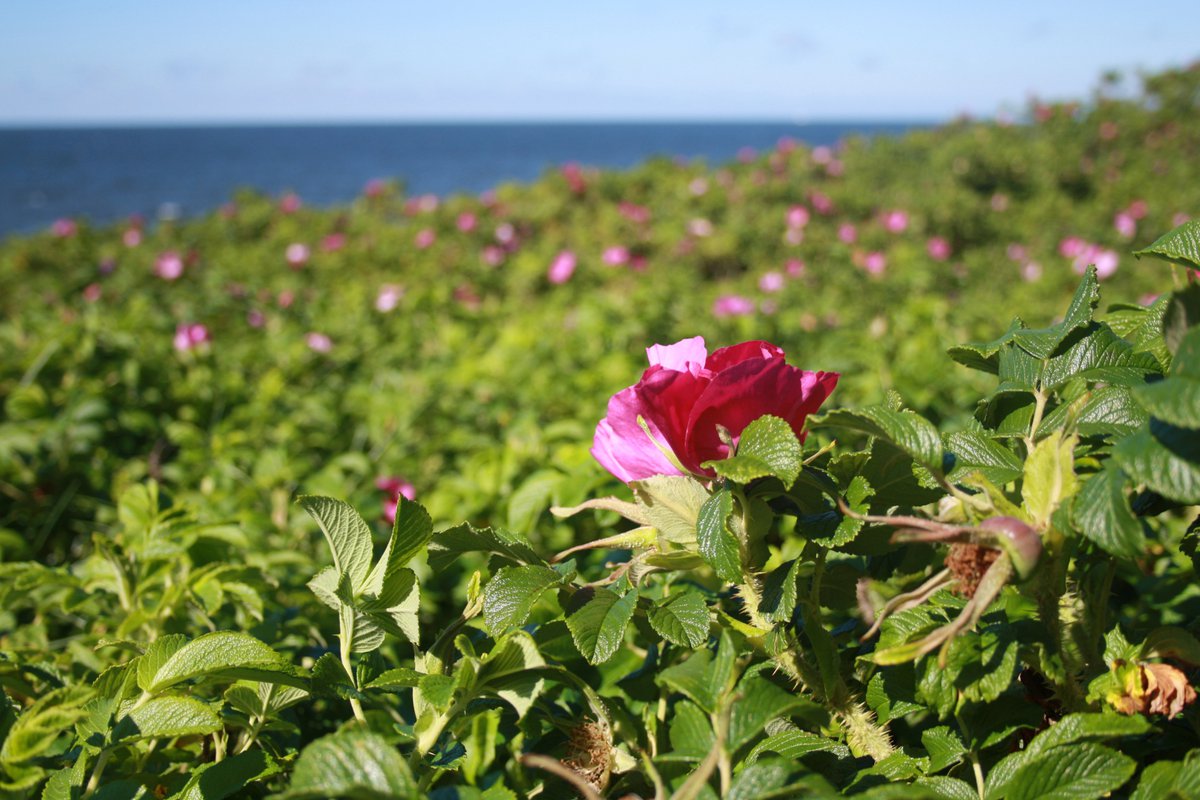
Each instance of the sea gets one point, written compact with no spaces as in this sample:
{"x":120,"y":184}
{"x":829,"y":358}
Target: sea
{"x":106,"y":174}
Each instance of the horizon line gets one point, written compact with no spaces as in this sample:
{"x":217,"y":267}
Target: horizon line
{"x":35,"y":124}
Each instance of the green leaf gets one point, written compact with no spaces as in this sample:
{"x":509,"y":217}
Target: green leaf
{"x":1182,"y":314}
{"x":1107,"y":410}
{"x":794,"y":744}
{"x":758,"y":701}
{"x":1180,"y":245}
{"x":944,"y":747}
{"x":1043,"y":342}
{"x":447,"y":546}
{"x":1170,"y":780}
{"x":511,"y":594}
{"x":1049,"y":477}
{"x":1071,"y":773}
{"x":166,"y":717}
{"x":682,"y":619}
{"x":1102,"y":512}
{"x":779,"y":592}
{"x":437,"y":690}
{"x":716,"y":541}
{"x":216,"y":781}
{"x":511,"y":671}
{"x":1176,"y":399}
{"x":1165,"y":458}
{"x":975,"y":451}
{"x":411,"y":534}
{"x":222,"y":652}
{"x":690,"y":731}
{"x":907,"y":430}
{"x":767,"y":447}
{"x":984,"y":356}
{"x":671,"y":504}
{"x":350,"y":764}
{"x":598,"y":626}
{"x":41,"y":724}
{"x":702,"y":677}
{"x":347,"y":533}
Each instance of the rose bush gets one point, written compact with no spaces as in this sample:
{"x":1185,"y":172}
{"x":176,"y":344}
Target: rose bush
{"x":687,"y":396}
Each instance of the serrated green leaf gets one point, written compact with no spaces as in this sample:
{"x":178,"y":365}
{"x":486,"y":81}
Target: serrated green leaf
{"x":690,"y":731}
{"x":1182,"y":314}
{"x":511,"y":594}
{"x":715,"y":539}
{"x":165,"y":717}
{"x":767,"y":447}
{"x":40,"y":725}
{"x":446,"y":546}
{"x":795,"y":744}
{"x":984,"y":356}
{"x":1043,"y":342}
{"x":216,"y":781}
{"x":682,"y":619}
{"x":944,"y":747}
{"x":226,"y":652}
{"x":1170,"y":780}
{"x":347,"y":533}
{"x":1049,"y":478}
{"x":1106,"y":411}
{"x":598,"y":626}
{"x":1180,"y":245}
{"x":1176,"y":399}
{"x":350,"y":764}
{"x":1165,"y":458}
{"x":437,"y":690}
{"x":779,"y":592}
{"x":511,"y":671}
{"x":671,"y":504}
{"x":1072,"y":773}
{"x":975,"y":451}
{"x":758,"y":702}
{"x":1101,"y":511}
{"x":907,"y":430}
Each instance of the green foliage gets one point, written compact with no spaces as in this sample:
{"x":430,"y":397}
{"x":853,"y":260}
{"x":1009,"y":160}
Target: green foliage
{"x":809,"y":617}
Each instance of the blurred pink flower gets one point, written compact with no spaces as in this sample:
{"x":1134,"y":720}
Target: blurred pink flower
{"x":64,"y":228}
{"x":492,"y":255}
{"x":822,"y":155}
{"x":573,"y":173}
{"x":425,"y":237}
{"x":394,"y":487}
{"x":318,"y":342}
{"x":771,"y":281}
{"x":1179,"y":218}
{"x":1071,"y":247}
{"x":637,"y":263}
{"x":189,"y":336}
{"x":296,"y":254}
{"x":290,"y":203}
{"x":389,"y":297}
{"x":633,"y":212}
{"x":1031,"y":271}
{"x":92,"y":292}
{"x":107,"y":266}
{"x":821,"y":203}
{"x":835,"y":168}
{"x":333,"y":242}
{"x":786,"y":144}
{"x":255,"y":318}
{"x":1125,"y":225}
{"x":1106,"y":262}
{"x":286,"y":298}
{"x":747,"y":154}
{"x":700,"y":227}
{"x":466,"y":222}
{"x":794,"y":236}
{"x":131,"y":237}
{"x":168,"y":266}
{"x":427,"y":203}
{"x":999,"y":202}
{"x":1016,"y":252}
{"x":698,"y":186}
{"x":795,"y":267}
{"x":938,"y":248}
{"x":875,"y":263}
{"x":561,"y":268}
{"x":1108,"y":130}
{"x":797,"y":217}
{"x":1138,"y":209}
{"x":895,"y":221}
{"x":732,"y":305}
{"x":615,"y":256}
{"x":375,"y":187}
{"x":847,"y":233}
{"x":505,"y":233}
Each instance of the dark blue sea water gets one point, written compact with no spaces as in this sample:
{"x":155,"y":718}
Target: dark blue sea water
{"x":106,"y":174}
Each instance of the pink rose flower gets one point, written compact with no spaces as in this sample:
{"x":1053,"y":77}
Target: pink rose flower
{"x":1125,"y":224}
{"x":698,"y":186}
{"x":615,"y":256}
{"x":64,"y":228}
{"x":255,"y":318}
{"x":686,"y":393}
{"x":296,"y":254}
{"x":895,"y":221}
{"x":92,"y":292}
{"x":466,"y":222}
{"x":394,"y":487}
{"x":189,"y":336}
{"x":425,"y":238}
{"x":732,"y":305}
{"x":1071,"y":247}
{"x":375,"y":187}
{"x":389,"y":297}
{"x":700,"y":227}
{"x":318,"y":342}
{"x":821,"y":203}
{"x":847,"y":233}
{"x":795,"y":267}
{"x":938,"y":248}
{"x":561,"y":268}
{"x":169,"y":266}
{"x":290,"y":203}
{"x":1138,"y":209}
{"x":333,"y":242}
{"x":771,"y":281}
{"x":875,"y":263}
{"x":797,"y":217}
{"x":492,"y":255}
{"x":132,"y":237}
{"x":1179,"y":218}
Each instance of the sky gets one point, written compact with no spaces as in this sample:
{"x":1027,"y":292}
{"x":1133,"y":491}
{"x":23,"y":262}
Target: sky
{"x":178,"y":61}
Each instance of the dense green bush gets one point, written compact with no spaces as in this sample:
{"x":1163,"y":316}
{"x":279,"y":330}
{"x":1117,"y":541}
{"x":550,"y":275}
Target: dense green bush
{"x":804,"y":617}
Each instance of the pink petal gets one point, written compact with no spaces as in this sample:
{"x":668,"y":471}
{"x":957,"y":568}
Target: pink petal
{"x":622,"y":447}
{"x":680,"y":356}
{"x":726,"y":357}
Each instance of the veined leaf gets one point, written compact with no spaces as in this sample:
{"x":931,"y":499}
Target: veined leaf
{"x":347,"y":533}
{"x":511,"y":594}
{"x":598,"y":626}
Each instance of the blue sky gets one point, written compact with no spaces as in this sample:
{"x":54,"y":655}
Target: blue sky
{"x":346,"y":60}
